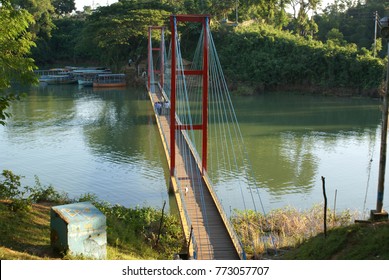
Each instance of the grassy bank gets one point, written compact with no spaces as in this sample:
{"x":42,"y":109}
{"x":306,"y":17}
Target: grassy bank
{"x":26,"y":235}
{"x":132,"y":233}
{"x":137,"y":233}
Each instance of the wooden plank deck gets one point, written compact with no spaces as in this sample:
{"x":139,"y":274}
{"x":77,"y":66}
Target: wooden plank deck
{"x":212,"y":238}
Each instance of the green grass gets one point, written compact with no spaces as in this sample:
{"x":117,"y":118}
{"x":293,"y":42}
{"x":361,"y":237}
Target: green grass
{"x":25,"y":234}
{"x":132,"y":233}
{"x":354,"y":242}
{"x":284,"y":228}
{"x":136,"y":233}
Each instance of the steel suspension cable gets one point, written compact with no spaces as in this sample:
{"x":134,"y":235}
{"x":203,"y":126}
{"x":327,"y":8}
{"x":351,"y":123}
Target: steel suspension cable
{"x":235,"y":121}
{"x":228,"y":109}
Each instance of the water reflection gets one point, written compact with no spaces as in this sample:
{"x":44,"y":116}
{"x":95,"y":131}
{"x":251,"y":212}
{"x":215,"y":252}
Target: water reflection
{"x":80,"y":140}
{"x":106,"y":142}
{"x":293,"y":140}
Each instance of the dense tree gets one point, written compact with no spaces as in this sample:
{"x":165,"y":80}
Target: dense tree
{"x":336,"y":36}
{"x":354,"y":20}
{"x":63,"y":7}
{"x":43,"y":26}
{"x":303,"y":23}
{"x":115,"y":33}
{"x":269,"y":58}
{"x":42,"y":11}
{"x":15,"y":45}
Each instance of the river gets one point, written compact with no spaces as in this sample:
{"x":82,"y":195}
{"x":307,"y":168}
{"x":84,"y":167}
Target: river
{"x":106,"y":142}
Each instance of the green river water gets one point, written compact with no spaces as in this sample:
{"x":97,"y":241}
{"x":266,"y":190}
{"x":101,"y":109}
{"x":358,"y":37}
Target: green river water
{"x":106,"y":142}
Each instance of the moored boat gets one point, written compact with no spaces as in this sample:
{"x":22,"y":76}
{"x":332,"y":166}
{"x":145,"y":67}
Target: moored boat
{"x":86,"y":77}
{"x":57,"y":79}
{"x":110,"y":80}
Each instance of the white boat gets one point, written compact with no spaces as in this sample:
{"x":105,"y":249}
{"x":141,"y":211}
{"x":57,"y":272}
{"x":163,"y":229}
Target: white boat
{"x":110,"y":80}
{"x":86,"y":77}
{"x":57,"y":79}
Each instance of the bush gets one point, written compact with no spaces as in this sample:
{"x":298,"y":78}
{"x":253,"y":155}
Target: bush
{"x":40,"y":193}
{"x":10,"y":189}
{"x":10,"y":185}
{"x":21,"y":197}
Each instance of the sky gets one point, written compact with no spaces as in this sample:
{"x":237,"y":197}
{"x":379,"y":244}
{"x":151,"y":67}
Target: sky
{"x":81,"y":3}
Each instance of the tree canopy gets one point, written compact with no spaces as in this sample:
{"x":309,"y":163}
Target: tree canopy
{"x":15,"y":45}
{"x":331,"y":48}
{"x":63,"y":7}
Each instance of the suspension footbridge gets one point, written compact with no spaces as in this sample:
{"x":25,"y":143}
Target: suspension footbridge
{"x":186,"y":102}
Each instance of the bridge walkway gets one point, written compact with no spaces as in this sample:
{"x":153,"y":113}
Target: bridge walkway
{"x":195,"y":201}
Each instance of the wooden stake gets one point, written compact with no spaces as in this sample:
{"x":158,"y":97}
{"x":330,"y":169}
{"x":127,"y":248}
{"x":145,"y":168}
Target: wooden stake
{"x":325,"y":205}
{"x":160,"y":223}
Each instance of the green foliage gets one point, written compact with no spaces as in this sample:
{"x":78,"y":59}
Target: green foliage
{"x":5,"y":102}
{"x":63,"y":7}
{"x":133,"y":231}
{"x":269,"y":58}
{"x":355,"y":242}
{"x":356,"y":21}
{"x":21,"y":197}
{"x":139,"y":227}
{"x":336,"y":36}
{"x":42,"y":11}
{"x":15,"y":46}
{"x":61,"y":47}
{"x":10,"y":189}
{"x":113,"y":34}
{"x":39,"y":193}
{"x":10,"y":185}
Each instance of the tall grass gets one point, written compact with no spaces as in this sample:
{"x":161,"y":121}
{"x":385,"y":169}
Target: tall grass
{"x":264,"y":235}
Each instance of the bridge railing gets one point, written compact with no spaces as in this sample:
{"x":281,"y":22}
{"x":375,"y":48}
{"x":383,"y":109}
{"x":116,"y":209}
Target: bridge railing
{"x":234,"y":237}
{"x":179,"y":187}
{"x":189,"y":222}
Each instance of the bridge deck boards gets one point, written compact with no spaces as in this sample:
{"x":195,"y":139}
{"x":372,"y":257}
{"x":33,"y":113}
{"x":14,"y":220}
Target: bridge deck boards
{"x":212,"y":238}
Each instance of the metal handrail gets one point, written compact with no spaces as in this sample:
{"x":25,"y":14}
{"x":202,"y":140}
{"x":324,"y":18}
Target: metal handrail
{"x":234,"y":237}
{"x":189,"y":223}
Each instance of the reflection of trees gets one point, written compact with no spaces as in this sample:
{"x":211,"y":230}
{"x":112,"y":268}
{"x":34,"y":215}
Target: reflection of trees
{"x":46,"y":106}
{"x":281,"y":135}
{"x":282,"y":163}
{"x":121,"y":129}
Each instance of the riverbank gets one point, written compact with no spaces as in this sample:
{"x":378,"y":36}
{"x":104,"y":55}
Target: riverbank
{"x":25,"y":235}
{"x":247,"y":89}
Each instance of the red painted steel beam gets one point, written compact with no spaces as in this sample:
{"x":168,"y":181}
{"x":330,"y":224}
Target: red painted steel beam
{"x":191,"y":18}
{"x":173,"y":100}
{"x":149,"y":54}
{"x":204,"y":20}
{"x":193,"y":72}
{"x":205,"y":95}
{"x":189,"y":127}
{"x":162,"y":67}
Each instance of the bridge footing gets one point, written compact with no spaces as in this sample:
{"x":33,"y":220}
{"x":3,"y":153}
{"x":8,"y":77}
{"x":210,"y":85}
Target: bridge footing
{"x":378,"y":216}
